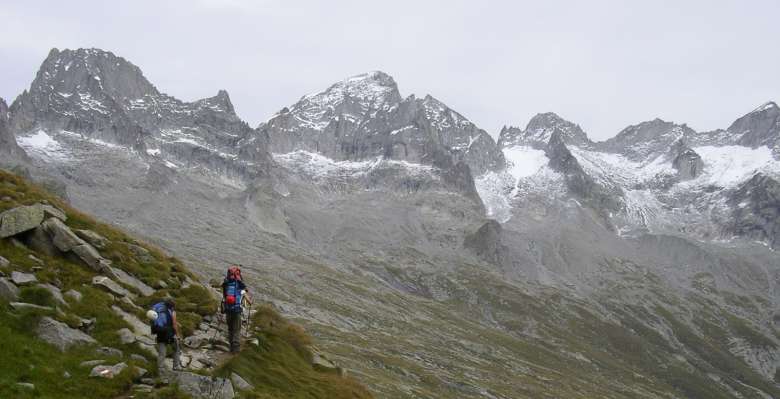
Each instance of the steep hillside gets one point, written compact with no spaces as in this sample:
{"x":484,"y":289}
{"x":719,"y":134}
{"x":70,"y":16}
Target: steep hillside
{"x":72,"y":296}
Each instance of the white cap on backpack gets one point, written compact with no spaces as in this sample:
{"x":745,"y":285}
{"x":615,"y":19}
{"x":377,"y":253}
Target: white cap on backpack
{"x":151,"y":315}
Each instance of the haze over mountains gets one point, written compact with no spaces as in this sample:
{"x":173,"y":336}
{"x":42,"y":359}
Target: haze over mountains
{"x":433,"y":260}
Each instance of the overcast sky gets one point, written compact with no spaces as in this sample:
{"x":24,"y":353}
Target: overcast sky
{"x":602,"y":64}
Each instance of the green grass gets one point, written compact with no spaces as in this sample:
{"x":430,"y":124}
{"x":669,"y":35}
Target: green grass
{"x":280,"y":366}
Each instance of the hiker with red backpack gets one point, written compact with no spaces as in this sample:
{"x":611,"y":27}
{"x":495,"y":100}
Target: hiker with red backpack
{"x":233,"y":293}
{"x":164,"y":325}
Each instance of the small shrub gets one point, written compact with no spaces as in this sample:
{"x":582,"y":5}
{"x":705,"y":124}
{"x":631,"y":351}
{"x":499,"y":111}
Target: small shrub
{"x":37,"y":296}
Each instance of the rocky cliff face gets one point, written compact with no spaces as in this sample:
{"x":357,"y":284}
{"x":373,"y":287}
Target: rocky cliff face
{"x":756,"y":210}
{"x":10,"y":152}
{"x":99,"y":96}
{"x":758,"y":128}
{"x":365,"y":117}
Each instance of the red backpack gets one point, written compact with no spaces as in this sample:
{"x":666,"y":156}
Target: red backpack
{"x":233,"y":273}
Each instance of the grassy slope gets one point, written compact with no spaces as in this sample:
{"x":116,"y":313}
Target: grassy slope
{"x":276,"y":368}
{"x":280,"y":366}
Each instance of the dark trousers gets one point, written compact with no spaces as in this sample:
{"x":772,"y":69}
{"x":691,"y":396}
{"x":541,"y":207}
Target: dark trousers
{"x":234,"y":331}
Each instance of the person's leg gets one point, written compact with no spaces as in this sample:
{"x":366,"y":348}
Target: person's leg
{"x":234,"y":331}
{"x":176,"y":354}
{"x":160,"y":356}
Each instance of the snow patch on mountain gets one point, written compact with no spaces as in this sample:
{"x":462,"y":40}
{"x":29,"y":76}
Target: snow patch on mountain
{"x":526,"y":173}
{"x":317,"y":166}
{"x":42,"y":144}
{"x":728,"y":166}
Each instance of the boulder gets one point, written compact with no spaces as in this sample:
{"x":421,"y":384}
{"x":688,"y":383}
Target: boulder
{"x":8,"y":291}
{"x":239,"y":383}
{"x":55,"y":292}
{"x":20,"y":219}
{"x":94,"y":239}
{"x":193,"y":341}
{"x":20,"y":278}
{"x":138,"y":327}
{"x":127,"y":279}
{"x":140,"y":371}
{"x":40,"y":241}
{"x":23,"y":306}
{"x":4,"y":262}
{"x":73,"y":294}
{"x":109,"y":351}
{"x":90,"y":256}
{"x":60,"y":335}
{"x":107,"y":371}
{"x":141,"y":254}
{"x":62,"y":236}
{"x":126,"y":336}
{"x":145,"y":388}
{"x":52,"y":212}
{"x":203,"y":387}
{"x":109,"y":285}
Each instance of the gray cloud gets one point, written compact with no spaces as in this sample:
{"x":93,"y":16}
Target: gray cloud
{"x":602,"y":64}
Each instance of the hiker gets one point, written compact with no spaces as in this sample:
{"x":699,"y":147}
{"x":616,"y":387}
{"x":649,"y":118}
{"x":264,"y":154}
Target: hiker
{"x":233,"y":293}
{"x":166,"y":328}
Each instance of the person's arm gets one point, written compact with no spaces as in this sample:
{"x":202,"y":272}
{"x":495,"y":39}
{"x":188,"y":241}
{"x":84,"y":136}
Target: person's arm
{"x":175,"y":324}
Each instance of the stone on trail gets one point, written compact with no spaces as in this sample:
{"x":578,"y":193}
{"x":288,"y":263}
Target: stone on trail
{"x":107,"y":371}
{"x":20,"y":278}
{"x":202,"y":387}
{"x":25,"y":385}
{"x":8,"y":291}
{"x":4,"y":262}
{"x":20,"y":219}
{"x":60,"y":335}
{"x":138,"y":358}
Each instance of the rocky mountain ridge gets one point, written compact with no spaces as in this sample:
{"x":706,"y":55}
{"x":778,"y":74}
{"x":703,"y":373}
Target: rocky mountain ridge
{"x":604,"y":272}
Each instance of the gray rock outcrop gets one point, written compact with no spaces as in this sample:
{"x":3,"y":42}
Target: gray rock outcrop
{"x":686,"y":161}
{"x":20,"y":278}
{"x":8,"y":290}
{"x":758,"y":128}
{"x":203,"y":387}
{"x":110,"y":286}
{"x":60,"y":335}
{"x":20,"y":219}
{"x":108,"y":372}
{"x":239,"y":383}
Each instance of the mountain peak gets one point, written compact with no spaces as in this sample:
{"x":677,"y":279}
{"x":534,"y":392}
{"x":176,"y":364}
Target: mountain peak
{"x":540,"y":130}
{"x":769,"y":105}
{"x":89,"y":69}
